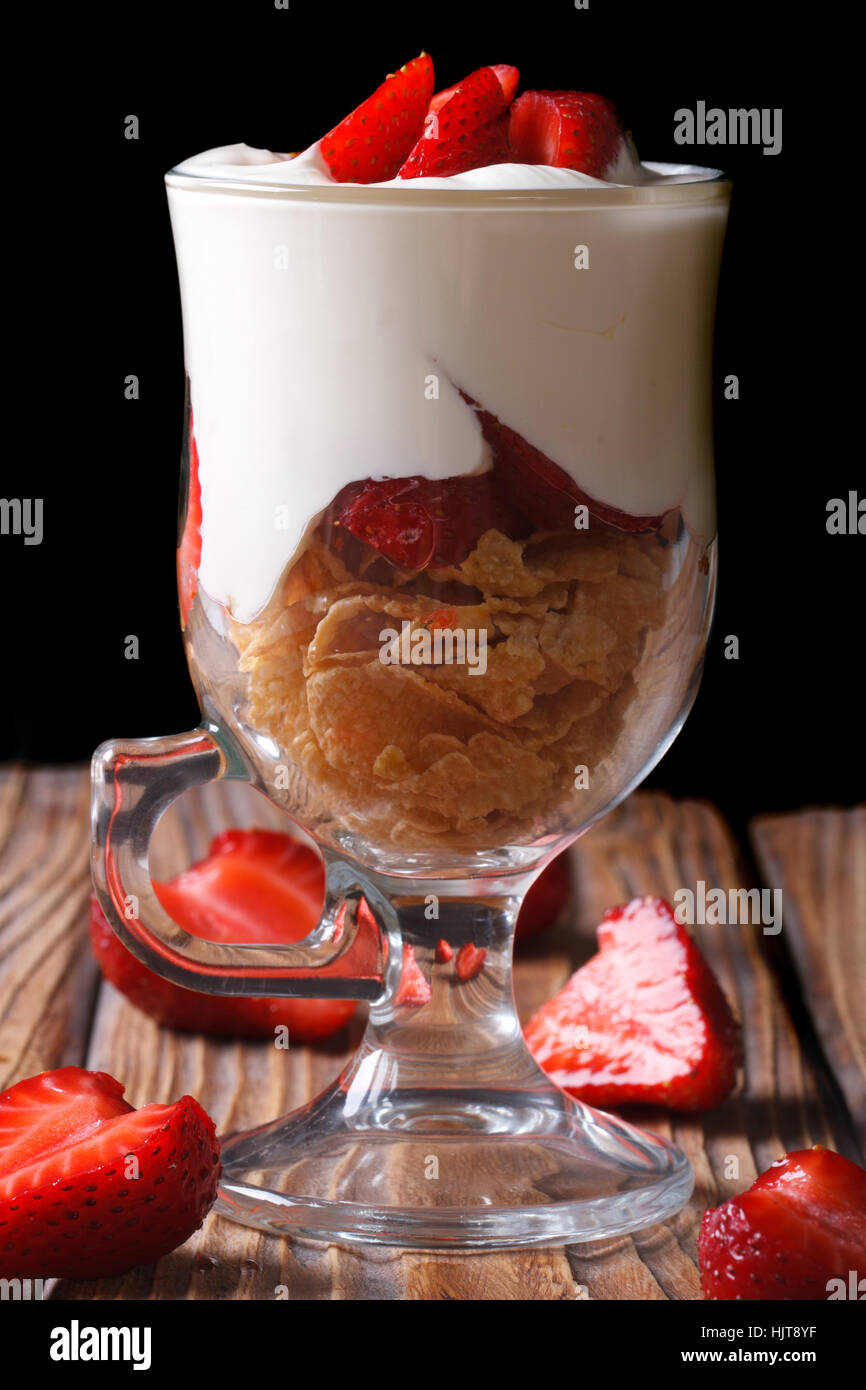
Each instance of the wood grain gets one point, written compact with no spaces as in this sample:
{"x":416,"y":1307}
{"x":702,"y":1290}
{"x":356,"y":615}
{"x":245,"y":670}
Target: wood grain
{"x":54,"y":1010}
{"x":818,"y":859}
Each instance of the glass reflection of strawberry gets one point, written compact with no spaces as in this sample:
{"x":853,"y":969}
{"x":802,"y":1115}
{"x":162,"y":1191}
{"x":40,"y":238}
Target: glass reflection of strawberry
{"x":371,"y":143}
{"x":254,"y":885}
{"x":801,"y":1224}
{"x":88,"y":1185}
{"x":642,"y":1021}
{"x":466,"y":126}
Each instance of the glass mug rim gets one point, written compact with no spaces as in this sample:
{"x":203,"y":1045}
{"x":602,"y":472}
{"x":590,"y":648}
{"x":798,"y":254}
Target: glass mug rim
{"x":694,"y":193}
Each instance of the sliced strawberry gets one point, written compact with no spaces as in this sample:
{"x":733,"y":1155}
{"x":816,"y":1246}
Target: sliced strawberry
{"x":254,"y":885}
{"x":444,"y":952}
{"x":91,"y":1187}
{"x":189,"y":550}
{"x":644,"y":1020}
{"x":507,"y":77}
{"x":570,"y":130}
{"x":545,"y":899}
{"x":419,"y":523}
{"x":414,"y":987}
{"x":470,"y":960}
{"x":466,"y":129}
{"x":542,"y":490}
{"x":801,"y":1224}
{"x":371,"y":143}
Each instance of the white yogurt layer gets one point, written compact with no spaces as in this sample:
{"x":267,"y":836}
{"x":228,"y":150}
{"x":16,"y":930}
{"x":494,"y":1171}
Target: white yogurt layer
{"x":328,"y":341}
{"x":244,"y":163}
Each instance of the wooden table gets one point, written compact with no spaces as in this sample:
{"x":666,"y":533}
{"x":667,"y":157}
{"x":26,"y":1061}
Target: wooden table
{"x":800,"y":994}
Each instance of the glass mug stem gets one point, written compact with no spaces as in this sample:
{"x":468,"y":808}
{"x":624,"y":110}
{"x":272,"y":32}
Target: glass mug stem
{"x":348,"y":955}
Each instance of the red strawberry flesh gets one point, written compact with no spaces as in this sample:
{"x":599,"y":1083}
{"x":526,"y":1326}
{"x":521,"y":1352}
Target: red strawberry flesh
{"x":642,"y":1021}
{"x":421,"y":523}
{"x":546,"y":898}
{"x":189,"y":549}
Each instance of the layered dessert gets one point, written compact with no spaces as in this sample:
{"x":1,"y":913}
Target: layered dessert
{"x":449,"y":518}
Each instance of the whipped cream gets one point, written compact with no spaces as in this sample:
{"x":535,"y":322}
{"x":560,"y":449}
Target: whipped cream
{"x":328,"y":339}
{"x":244,"y":163}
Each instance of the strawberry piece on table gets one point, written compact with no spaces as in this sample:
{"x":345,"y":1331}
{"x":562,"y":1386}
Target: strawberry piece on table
{"x":800,"y":1225}
{"x":89,"y":1186}
{"x":444,"y":951}
{"x":371,"y":144}
{"x":189,"y":549}
{"x":466,"y":126}
{"x":542,"y":490}
{"x":419,"y":523}
{"x":545,"y":899}
{"x":569,"y":130}
{"x":256,"y":886}
{"x":642,"y":1021}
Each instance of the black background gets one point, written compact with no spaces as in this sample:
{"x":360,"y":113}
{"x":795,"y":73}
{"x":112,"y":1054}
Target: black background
{"x":779,"y":727}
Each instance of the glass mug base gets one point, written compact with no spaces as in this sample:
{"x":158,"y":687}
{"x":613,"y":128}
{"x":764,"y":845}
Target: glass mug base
{"x":436,"y":1169}
{"x":443,"y":1131}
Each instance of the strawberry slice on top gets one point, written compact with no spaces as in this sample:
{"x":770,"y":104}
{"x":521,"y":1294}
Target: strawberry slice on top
{"x":643,"y":1021}
{"x":466,"y":126}
{"x":801,"y":1224}
{"x":508,"y":79}
{"x":569,"y":130}
{"x":372,"y":142}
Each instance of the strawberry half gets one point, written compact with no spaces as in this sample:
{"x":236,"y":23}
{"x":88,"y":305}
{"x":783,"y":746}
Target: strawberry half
{"x":419,"y":523}
{"x":466,"y":126}
{"x":642,"y":1021}
{"x":189,"y":549}
{"x":801,"y":1224}
{"x":371,"y":143}
{"x":569,"y":130}
{"x":545,"y":899}
{"x":91,"y":1187}
{"x":254,"y":885}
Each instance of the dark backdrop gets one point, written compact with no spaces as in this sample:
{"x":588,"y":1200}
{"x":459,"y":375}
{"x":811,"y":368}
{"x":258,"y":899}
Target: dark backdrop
{"x":777,"y":728}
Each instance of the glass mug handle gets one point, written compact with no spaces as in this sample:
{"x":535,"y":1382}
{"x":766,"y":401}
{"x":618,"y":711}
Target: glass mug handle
{"x":133,"y":782}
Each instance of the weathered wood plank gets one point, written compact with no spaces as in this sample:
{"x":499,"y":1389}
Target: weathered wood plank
{"x":818,"y":859}
{"x":48,"y":981}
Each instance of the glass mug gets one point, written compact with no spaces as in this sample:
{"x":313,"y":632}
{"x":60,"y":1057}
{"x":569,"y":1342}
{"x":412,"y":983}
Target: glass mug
{"x":446,"y":567}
